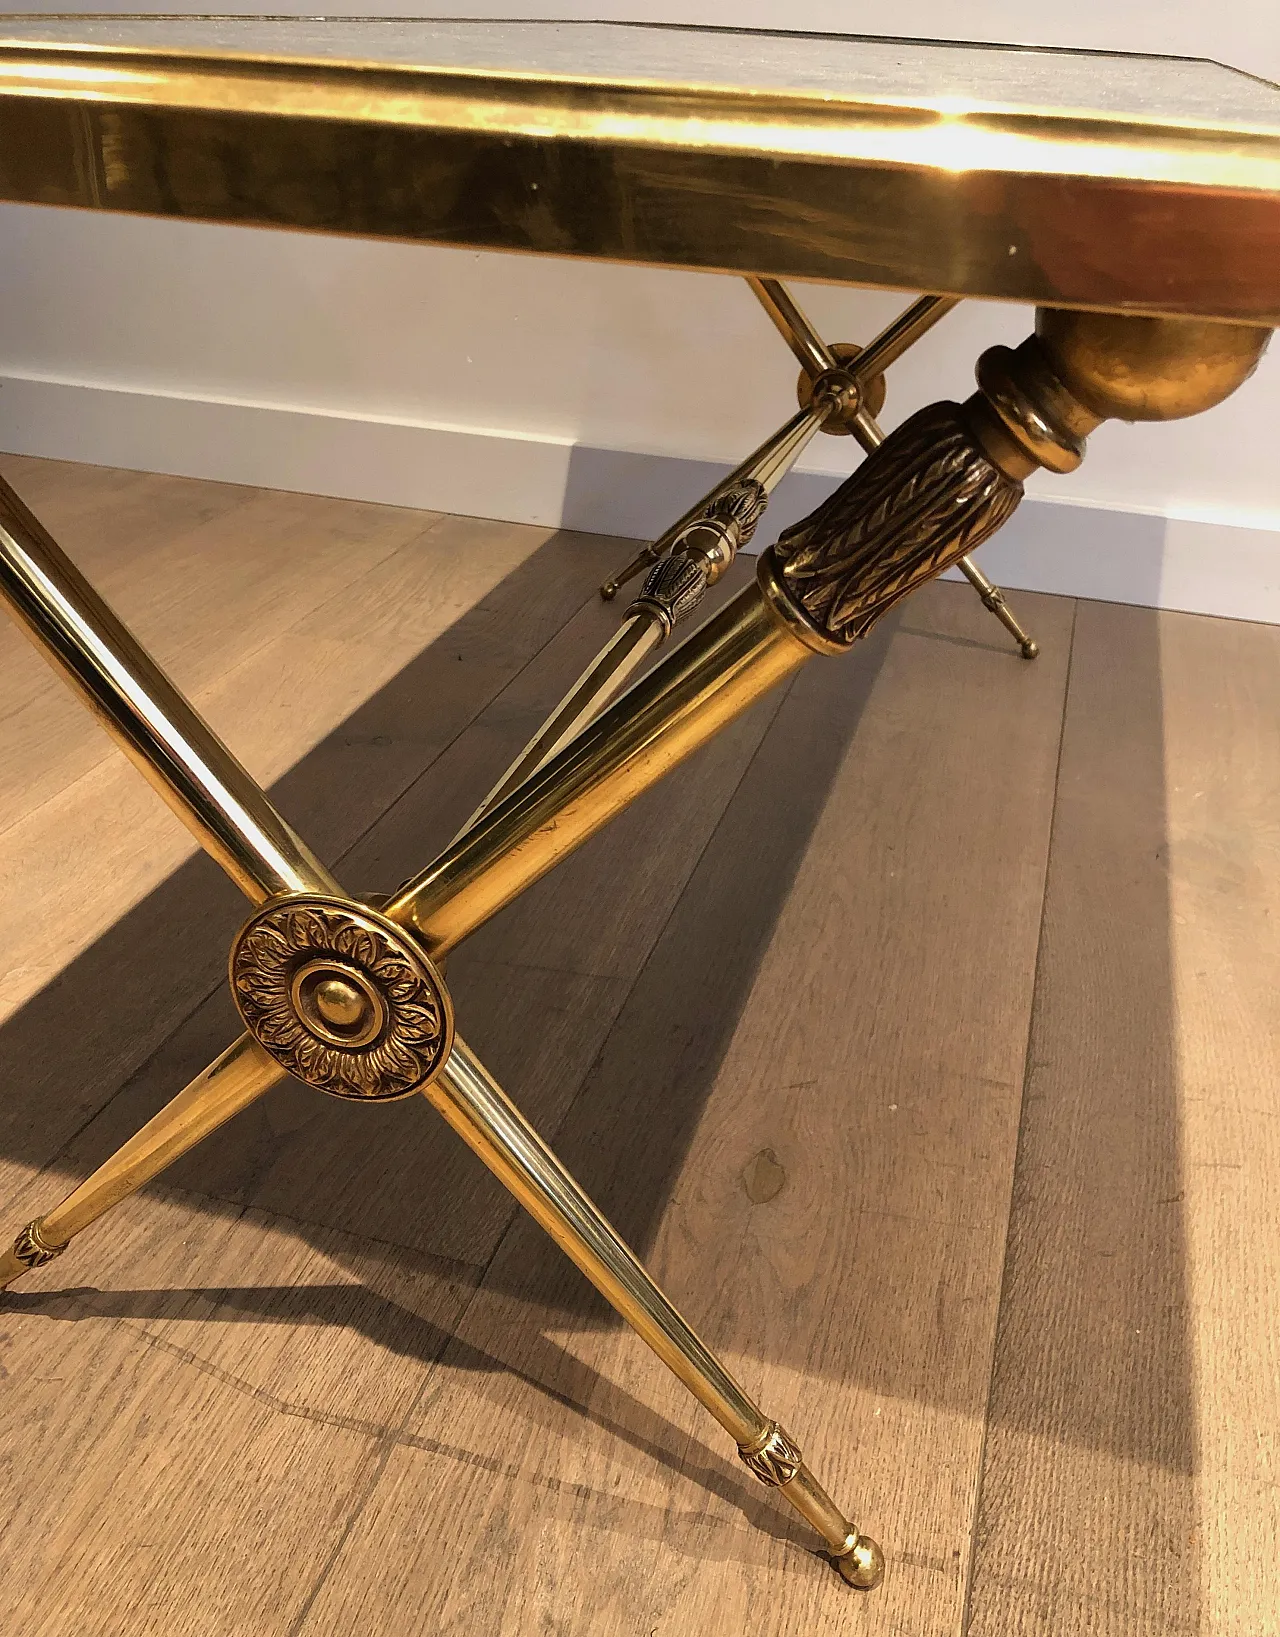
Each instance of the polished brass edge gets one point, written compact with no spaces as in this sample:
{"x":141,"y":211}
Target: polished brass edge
{"x":341,"y":997}
{"x":773,"y":1456}
{"x":32,"y":1249}
{"x":789,"y":615}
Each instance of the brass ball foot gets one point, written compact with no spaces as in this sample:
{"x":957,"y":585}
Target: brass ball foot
{"x":862,"y":1565}
{"x":1030,"y":648}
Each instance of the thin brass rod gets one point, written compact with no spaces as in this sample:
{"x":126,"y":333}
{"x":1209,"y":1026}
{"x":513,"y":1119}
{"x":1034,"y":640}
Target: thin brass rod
{"x":727,"y":663}
{"x":767,"y":466}
{"x":174,"y":749}
{"x":235,"y":1080}
{"x":994,"y":600}
{"x":812,"y":352}
{"x":490,"y":1124}
{"x":605,"y":677}
{"x":887,"y":347}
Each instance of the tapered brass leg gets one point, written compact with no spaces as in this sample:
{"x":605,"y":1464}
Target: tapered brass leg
{"x":239,"y":1077}
{"x":490,"y":1124}
{"x":155,"y":726}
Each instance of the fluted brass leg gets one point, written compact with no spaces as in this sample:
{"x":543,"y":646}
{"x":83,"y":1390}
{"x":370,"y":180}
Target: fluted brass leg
{"x":237,"y":1078}
{"x":994,"y":600}
{"x":489,"y":1123}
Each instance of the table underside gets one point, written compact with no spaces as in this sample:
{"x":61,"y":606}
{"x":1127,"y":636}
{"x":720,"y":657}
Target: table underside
{"x":1124,"y":183}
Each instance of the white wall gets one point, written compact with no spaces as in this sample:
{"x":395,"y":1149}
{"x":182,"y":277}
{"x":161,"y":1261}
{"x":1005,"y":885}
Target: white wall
{"x":534,"y":388}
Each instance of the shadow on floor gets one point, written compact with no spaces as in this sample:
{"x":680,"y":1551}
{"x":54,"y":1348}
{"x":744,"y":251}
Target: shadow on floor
{"x":395,"y":1177}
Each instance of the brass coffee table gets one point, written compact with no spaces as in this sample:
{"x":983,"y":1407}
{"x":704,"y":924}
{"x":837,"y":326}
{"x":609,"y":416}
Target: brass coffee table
{"x":1134,"y":200}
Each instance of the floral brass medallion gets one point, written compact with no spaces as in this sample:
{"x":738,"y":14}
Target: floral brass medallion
{"x":341,"y":997}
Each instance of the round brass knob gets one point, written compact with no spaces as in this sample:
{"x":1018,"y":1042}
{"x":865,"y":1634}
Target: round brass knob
{"x":869,"y":393}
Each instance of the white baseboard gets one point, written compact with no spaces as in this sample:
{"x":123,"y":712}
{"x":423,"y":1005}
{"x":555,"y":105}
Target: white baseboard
{"x":1075,"y":550}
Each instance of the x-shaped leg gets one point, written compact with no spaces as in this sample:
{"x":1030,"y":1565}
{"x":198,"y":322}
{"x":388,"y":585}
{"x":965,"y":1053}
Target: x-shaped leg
{"x":348,"y":997}
{"x":350,"y":1001}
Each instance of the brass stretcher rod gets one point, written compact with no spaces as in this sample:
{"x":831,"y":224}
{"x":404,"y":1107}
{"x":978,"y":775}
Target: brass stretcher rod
{"x":653,"y":616}
{"x":816,"y":358}
{"x":649,"y":621}
{"x":767,"y":465}
{"x":238,"y":825}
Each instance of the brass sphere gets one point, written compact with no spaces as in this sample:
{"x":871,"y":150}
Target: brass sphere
{"x":340,"y":1003}
{"x":862,"y":1565}
{"x":1126,"y":367}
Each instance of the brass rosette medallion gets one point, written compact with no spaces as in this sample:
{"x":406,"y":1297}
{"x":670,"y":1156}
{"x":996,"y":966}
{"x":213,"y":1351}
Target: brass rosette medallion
{"x":342,"y":998}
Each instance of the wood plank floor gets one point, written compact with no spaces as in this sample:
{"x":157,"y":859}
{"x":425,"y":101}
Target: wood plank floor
{"x":920,"y":1032}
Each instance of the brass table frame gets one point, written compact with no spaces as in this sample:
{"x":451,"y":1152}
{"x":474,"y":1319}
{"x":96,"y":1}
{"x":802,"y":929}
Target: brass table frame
{"x":349,"y":996}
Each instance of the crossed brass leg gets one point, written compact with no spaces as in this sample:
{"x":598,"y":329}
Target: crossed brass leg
{"x":342,"y":996}
{"x":347,"y":998}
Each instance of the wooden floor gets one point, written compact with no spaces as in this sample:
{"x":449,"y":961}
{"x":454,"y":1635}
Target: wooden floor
{"x":921,"y":1032}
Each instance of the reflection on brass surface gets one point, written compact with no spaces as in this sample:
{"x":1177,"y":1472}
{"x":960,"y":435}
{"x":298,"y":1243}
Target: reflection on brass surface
{"x":772,"y":1455}
{"x":720,"y":669}
{"x":1070,"y":179}
{"x":1147,"y":369}
{"x":861,"y":1563}
{"x":1046,"y":421}
{"x":747,"y":489}
{"x":604,"y":678}
{"x":812,"y":353}
{"x":868,"y":394}
{"x":701,"y":553}
{"x":926,"y":497}
{"x":905,"y":330}
{"x":477,"y":1108}
{"x":341,"y":998}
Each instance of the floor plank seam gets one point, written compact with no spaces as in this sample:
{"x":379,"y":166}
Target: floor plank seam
{"x":966,"y":1605}
{"x":422,"y":773}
